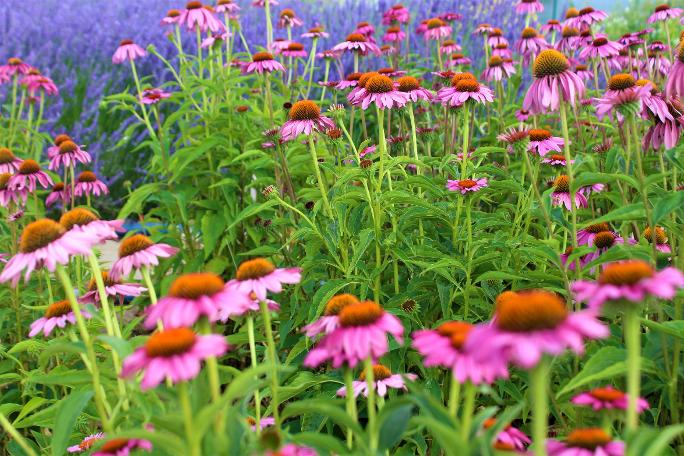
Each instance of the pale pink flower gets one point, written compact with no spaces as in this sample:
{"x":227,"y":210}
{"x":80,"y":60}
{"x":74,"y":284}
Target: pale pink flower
{"x":59,"y":192}
{"x":530,"y":44}
{"x":259,"y":276}
{"x":305,"y":118}
{"x":316,"y":32}
{"x":664,"y":13}
{"x":529,"y":7}
{"x":356,"y":42}
{"x":57,"y":315}
{"x":288,"y":18}
{"x":554,"y":83}
{"x":66,"y":155}
{"x":586,"y":18}
{"x":127,"y":51}
{"x":542,"y":142}
{"x":262,"y":62}
{"x":397,"y":13}
{"x":381,"y":91}
{"x":411,"y":86}
{"x":87,"y":183}
{"x":86,"y":443}
{"x":383,"y":379}
{"x":8,"y":195}
{"x":139,"y":251}
{"x":464,"y":90}
{"x":551,"y":26}
{"x":113,"y":289}
{"x":607,"y":398}
{"x":294,"y":50}
{"x":9,"y":163}
{"x":393,"y":34}
{"x":601,"y":46}
{"x":675,"y":79}
{"x":561,"y":194}
{"x":227,"y":7}
{"x":437,"y":29}
{"x":509,"y":437}
{"x":329,"y":321}
{"x":498,"y":69}
{"x":586,"y":442}
{"x":459,"y":59}
{"x":466,"y":185}
{"x":449,"y":47}
{"x":197,"y":16}
{"x":28,"y":175}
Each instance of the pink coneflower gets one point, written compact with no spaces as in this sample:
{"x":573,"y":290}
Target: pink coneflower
{"x":328,"y":54}
{"x":451,"y":17}
{"x":391,"y":72}
{"x":153,"y":96}
{"x":437,"y":29}
{"x":362,"y":334}
{"x":139,"y":251}
{"x":586,"y":18}
{"x":356,"y":42}
{"x":556,"y":160}
{"x":655,"y":63}
{"x":8,"y":195}
{"x":459,"y":59}
{"x":127,"y":51}
{"x":495,"y":37}
{"x":113,"y":288}
{"x":368,"y":150}
{"x":192,"y":296}
{"x":483,"y":29}
{"x":196,"y":16}
{"x":262,"y":62}
{"x":330,"y":319}
{"x":669,"y":131}
{"x":542,"y":142}
{"x":58,"y":193}
{"x":381,"y":91}
{"x":57,"y":315}
{"x":498,"y":69}
{"x":15,"y":67}
{"x":279,"y":45}
{"x":214,"y":39}
{"x":295,"y":50}
{"x":551,"y":26}
{"x":81,"y":220}
{"x":530,"y":44}
{"x":264,"y":422}
{"x":510,"y":438}
{"x":260,"y":276}
{"x":522,"y":115}
{"x":502,"y":50}
{"x":171,"y":17}
{"x":316,"y":32}
{"x":86,"y":443}
{"x":658,"y":46}
{"x":602,"y":242}
{"x":383,"y":379}
{"x":9,"y":163}
{"x":664,"y":12}
{"x":123,"y":447}
{"x":632,"y":281}
{"x":561,"y":194}
{"x":529,"y":7}
{"x":411,"y":86}
{"x":444,"y":347}
{"x":586,"y":442}
{"x":513,"y":137}
{"x":397,"y":13}
{"x":586,"y":235}
{"x":530,"y":323}
{"x":607,"y":398}
{"x":466,"y":185}
{"x":292,"y":450}
{"x":570,"y":39}
{"x":623,"y":95}
{"x":675,"y":79}
{"x":36,"y":83}
{"x":654,"y":104}
{"x":68,"y":154}
{"x":45,"y":243}
{"x":262,"y":3}
{"x":386,"y":49}
{"x":288,"y":18}
{"x":601,"y":46}
{"x":365,"y":28}
{"x":449,"y":47}
{"x":305,"y":118}
{"x":173,"y":354}
{"x":583,"y":72}
{"x":28,"y":175}
{"x":350,"y":81}
{"x":394,"y":34}
{"x":553,"y":83}
{"x":227,"y":7}
{"x":463,"y":89}
{"x":87,"y":183}
{"x":660,"y":239}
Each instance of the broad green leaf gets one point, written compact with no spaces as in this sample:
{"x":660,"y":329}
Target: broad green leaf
{"x":69,"y":409}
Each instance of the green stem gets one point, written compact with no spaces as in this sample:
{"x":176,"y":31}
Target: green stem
{"x":273,"y":361}
{"x":12,"y":431}
{"x":466,"y":138}
{"x":186,"y":406}
{"x":568,"y":167}
{"x":255,"y":363}
{"x":540,"y":406}
{"x":454,"y":396}
{"x":351,"y":402}
{"x":372,"y":434}
{"x":633,"y":345}
{"x":319,"y":178}
{"x":468,"y":409}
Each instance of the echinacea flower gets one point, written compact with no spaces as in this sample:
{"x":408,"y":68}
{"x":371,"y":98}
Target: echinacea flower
{"x":675,"y":79}
{"x":463,"y":89}
{"x":622,"y":100}
{"x":84,"y":221}
{"x":483,"y":29}
{"x":411,"y":86}
{"x":87,"y":183}
{"x":529,"y":7}
{"x":663,"y":13}
{"x":262,"y":3}
{"x":561,"y":194}
{"x":656,"y":64}
{"x":666,"y":133}
{"x":122,"y":447}
{"x":586,"y":17}
{"x":437,"y":29}
{"x":365,"y":28}
{"x":329,"y":321}
{"x":171,"y":17}
{"x":449,"y":47}
{"x":57,"y":315}
{"x":498,"y":69}
{"x":288,"y":18}
{"x":397,"y":13}
{"x":553,"y":83}
{"x":173,"y":354}
{"x":58,"y":193}
{"x":459,"y":59}
{"x":8,"y":195}
{"x":556,"y":160}
{"x":15,"y":67}
{"x":192,"y":296}
{"x":583,"y":72}
{"x":601,"y":46}
{"x":45,"y":243}
{"x":28,"y":175}
{"x":127,"y":51}
{"x":542,"y":142}
{"x":515,"y":137}
{"x":586,"y":235}
{"x":86,"y":443}
{"x":530,"y":44}
{"x":37,"y":83}
{"x":305,"y":118}
{"x":361,"y":335}
{"x":9,"y":163}
{"x":632,"y":280}
{"x":382,"y":380}
{"x":496,"y":38}
{"x":660,"y":239}
{"x":264,"y":422}
{"x":522,"y":115}
{"x":509,"y":437}
{"x":259,"y":276}
{"x":227,"y":7}
{"x":393,"y":34}
{"x":113,"y":288}
{"x":586,"y":442}
{"x":197,"y":16}
{"x":350,"y":81}
{"x":445,"y":347}
{"x":569,"y":39}
{"x":262,"y":62}
{"x":551,"y":26}
{"x":139,"y":251}
{"x":153,"y":96}
{"x":356,"y":42}
{"x":381,"y":91}
{"x":530,"y":323}
{"x":68,"y":154}
{"x":279,"y":45}
{"x":466,"y":185}
{"x":294,"y":50}
{"x":607,"y":398}
{"x":316,"y":32}
{"x":292,"y":450}
{"x":602,"y":242}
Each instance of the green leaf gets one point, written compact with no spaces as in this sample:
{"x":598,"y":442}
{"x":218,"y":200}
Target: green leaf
{"x":392,"y":422}
{"x":69,"y":410}
{"x":665,"y":205}
{"x":212,"y":228}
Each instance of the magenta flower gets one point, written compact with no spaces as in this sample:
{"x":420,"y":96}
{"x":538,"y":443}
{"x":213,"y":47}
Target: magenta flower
{"x":28,"y":175}
{"x":551,"y":26}
{"x":127,"y":51}
{"x":362,"y":334}
{"x":9,"y":163}
{"x":264,"y":422}
{"x":8,"y":195}
{"x":667,"y":132}
{"x":317,"y":32}
{"x":171,"y":17}
{"x":292,"y":450}
{"x":583,"y":72}
{"x":397,"y":13}
{"x":675,"y":80}
{"x":553,"y":83}
{"x":37,"y":83}
{"x":586,"y":17}
{"x":600,"y":47}
{"x":356,"y":42}
{"x":304,"y":119}
{"x":632,"y":281}
{"x":483,"y":29}
{"x":295,"y":50}
{"x":351,"y":81}
{"x":214,"y":39}
{"x":660,"y":239}
{"x":570,"y":40}
{"x":57,"y":315}
{"x":496,"y":37}
{"x":260,"y":276}
{"x":139,"y":251}
{"x":466,"y":185}
{"x":561,"y":194}
{"x":465,"y":89}
{"x":288,"y":18}
{"x":530,"y":44}
{"x":586,"y":442}
{"x":382,"y":380}
{"x":542,"y":142}
{"x":586,"y":235}
{"x":58,"y":193}
{"x":262,"y":62}
{"x":330,"y":319}
{"x":15,"y":67}
{"x":87,"y":183}
{"x":664,"y":13}
{"x":449,"y":47}
{"x":227,"y":7}
{"x":529,"y":324}
{"x":529,"y":7}
{"x":656,"y":64}
{"x":617,"y":102}
{"x":365,"y":28}
{"x":411,"y":86}
{"x":607,"y":398}
{"x":498,"y":69}
{"x":153,"y":96}
{"x":510,"y":438}
{"x":45,"y":243}
{"x":522,"y":115}
{"x":122,"y":447}
{"x":394,"y":34}
{"x":191,"y":297}
{"x":381,"y":91}
{"x":173,"y":354}
{"x":197,"y":16}
{"x":556,"y":160}
{"x":459,"y":59}
{"x":445,"y":347}
{"x":113,"y":288}
{"x":279,"y":45}
{"x":86,"y":443}
{"x":437,"y":29}
{"x":67,"y":154}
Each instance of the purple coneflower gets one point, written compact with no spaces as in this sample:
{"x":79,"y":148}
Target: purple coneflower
{"x":8,"y":195}
{"x":292,"y":450}
{"x":68,"y":154}
{"x":214,"y":39}
{"x":449,"y":47}
{"x":529,"y":7}
{"x":126,"y":51}
{"x":569,"y":39}
{"x":28,"y":175}
{"x":394,"y":34}
{"x":498,"y":69}
{"x":483,"y":29}
{"x":411,"y":86}
{"x":350,"y":81}
{"x":86,"y":443}
{"x":551,"y":26}
{"x":466,"y":185}
{"x":365,"y":29}
{"x":451,"y":17}
{"x":586,"y":442}
{"x":295,"y":50}
{"x":83,"y":221}
{"x":383,"y":379}
{"x":655,"y":63}
{"x":583,"y":72}
{"x":113,"y":288}
{"x":381,"y":91}
{"x":556,"y":160}
{"x":675,"y":80}
{"x":305,"y":118}
{"x":601,"y":46}
{"x":153,"y":96}
{"x":59,"y":192}
{"x":397,"y":13}
{"x":587,"y":17}
{"x":316,"y":32}
{"x":88,"y":184}
{"x":227,"y":7}
{"x":386,"y":49}
{"x":522,"y":115}
{"x":356,"y":42}
{"x":57,"y":315}
{"x":262,"y":62}
{"x":9,"y":163}
{"x":509,"y":439}
{"x":264,"y":422}
{"x":664,"y":12}
{"x":542,"y":142}
{"x":329,"y":321}
{"x":262,"y":3}
{"x":139,"y":251}
{"x":459,"y":59}
{"x":660,"y":239}
{"x":288,"y":18}
{"x":623,"y":96}
{"x":465,"y":87}
{"x":437,"y":29}
{"x":553,"y":83}
{"x":37,"y":83}
{"x":561,"y":194}
{"x":495,"y":37}
{"x":279,"y":45}
{"x":667,"y":132}
{"x":197,"y":16}
{"x":607,"y":398}
{"x":259,"y":276}
{"x":122,"y":447}
{"x":530,"y":44}
{"x":586,"y":235}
